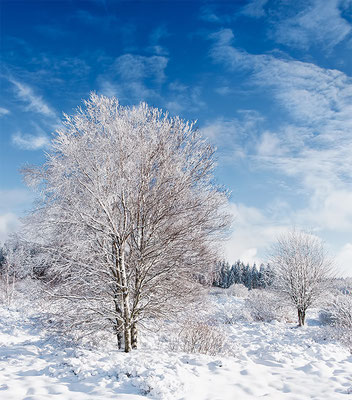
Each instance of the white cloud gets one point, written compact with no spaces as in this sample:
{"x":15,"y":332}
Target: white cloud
{"x":255,"y":230}
{"x":8,"y":223}
{"x":314,"y":148}
{"x":110,"y":89}
{"x":134,"y":78}
{"x":330,"y":210}
{"x":30,"y":142}
{"x":270,"y":145}
{"x":319,"y":23}
{"x":158,"y":34}
{"x":4,"y":111}
{"x":183,"y":98}
{"x":223,"y":37}
{"x":223,"y":90}
{"x":310,"y":93}
{"x":239,"y":134}
{"x":344,"y":260}
{"x":34,"y":102}
{"x":318,"y":144}
{"x":252,"y":236}
{"x":255,"y":8}
{"x":132,"y":67}
{"x":208,"y":14}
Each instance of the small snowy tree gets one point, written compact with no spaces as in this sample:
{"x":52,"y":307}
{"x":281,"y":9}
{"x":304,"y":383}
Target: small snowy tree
{"x":302,"y":270}
{"x":130,"y":214}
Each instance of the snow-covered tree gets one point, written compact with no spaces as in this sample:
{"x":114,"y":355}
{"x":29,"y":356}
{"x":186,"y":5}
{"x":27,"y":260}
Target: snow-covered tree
{"x":21,"y":258}
{"x":302,"y":270}
{"x":130,"y":214}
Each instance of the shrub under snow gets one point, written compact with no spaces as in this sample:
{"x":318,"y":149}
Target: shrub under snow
{"x":199,"y":336}
{"x":237,"y":290}
{"x":339,"y":315}
{"x":264,"y":305}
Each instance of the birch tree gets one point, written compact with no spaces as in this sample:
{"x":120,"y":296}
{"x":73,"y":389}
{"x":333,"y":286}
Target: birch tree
{"x":130,"y":214}
{"x":302,"y":270}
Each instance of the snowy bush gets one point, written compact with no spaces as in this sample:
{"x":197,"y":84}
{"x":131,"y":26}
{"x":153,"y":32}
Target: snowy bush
{"x":200,"y":337}
{"x":266,"y":306}
{"x":225,"y":308}
{"x":326,"y":317}
{"x":339,"y":315}
{"x":237,"y":290}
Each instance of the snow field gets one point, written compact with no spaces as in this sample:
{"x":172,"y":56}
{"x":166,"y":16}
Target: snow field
{"x":266,"y":360}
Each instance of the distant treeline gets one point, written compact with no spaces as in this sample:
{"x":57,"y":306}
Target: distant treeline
{"x":250,"y":276}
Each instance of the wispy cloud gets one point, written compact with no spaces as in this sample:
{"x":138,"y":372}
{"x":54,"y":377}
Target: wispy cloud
{"x":314,"y":145}
{"x":312,"y":95}
{"x":134,"y":78}
{"x":30,"y":142}
{"x":4,"y":111}
{"x":228,"y":12}
{"x":318,"y":23}
{"x":133,"y":67}
{"x":33,"y":101}
{"x":239,"y":134}
{"x":182,"y":97}
{"x":208,"y":13}
{"x":302,"y":24}
{"x":255,"y":8}
{"x":154,"y":41}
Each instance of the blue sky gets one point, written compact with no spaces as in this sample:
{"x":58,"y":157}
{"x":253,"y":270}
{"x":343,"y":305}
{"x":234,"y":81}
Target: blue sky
{"x":269,"y":82}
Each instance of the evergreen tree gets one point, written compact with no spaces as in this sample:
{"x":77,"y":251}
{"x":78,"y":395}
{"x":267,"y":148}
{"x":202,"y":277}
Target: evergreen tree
{"x":239,"y":273}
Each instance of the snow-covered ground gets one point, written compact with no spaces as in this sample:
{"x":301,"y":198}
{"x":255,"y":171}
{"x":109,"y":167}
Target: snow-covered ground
{"x":269,"y":360}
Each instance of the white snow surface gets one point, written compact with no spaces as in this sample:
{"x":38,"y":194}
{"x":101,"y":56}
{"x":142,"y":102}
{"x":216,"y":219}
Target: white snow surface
{"x":269,"y":360}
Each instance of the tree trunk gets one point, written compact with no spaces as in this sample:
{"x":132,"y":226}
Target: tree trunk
{"x":301,"y":317}
{"x":125,"y":302}
{"x":134,"y":335}
{"x":117,"y":299}
{"x":134,"y":331}
{"x":127,"y":335}
{"x":119,"y":340}
{"x":119,"y":334}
